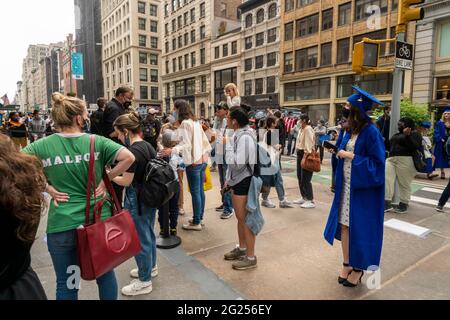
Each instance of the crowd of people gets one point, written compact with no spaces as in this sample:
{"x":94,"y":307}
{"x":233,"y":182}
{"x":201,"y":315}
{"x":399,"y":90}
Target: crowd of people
{"x":366,"y":163}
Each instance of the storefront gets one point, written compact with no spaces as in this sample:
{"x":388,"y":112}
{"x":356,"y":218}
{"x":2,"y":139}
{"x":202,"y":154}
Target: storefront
{"x":263,"y":101}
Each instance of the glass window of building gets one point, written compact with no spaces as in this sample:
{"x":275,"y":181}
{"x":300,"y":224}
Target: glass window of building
{"x":272,"y":35}
{"x":141,"y":7}
{"x":154,"y":26}
{"x":186,"y":18}
{"x":154,"y":93}
{"x":271,"y":84}
{"x":223,"y":9}
{"x":202,"y":56}
{"x":288,"y":31}
{"x":166,"y":10}
{"x":142,"y":40}
{"x":394,"y":4}
{"x":362,"y":6}
{"x":167,"y":67}
{"x":271,"y":59}
{"x":186,"y":39}
{"x":217,"y":52}
{"x":202,"y":10}
{"x":143,"y":74}
{"x":248,"y":64}
{"x":444,"y":40}
{"x":153,"y":10}
{"x":154,"y":75}
{"x":259,"y":39}
{"x":180,"y":41}
{"x":248,"y":20}
{"x":143,"y":58}
{"x":180,"y":88}
{"x":174,"y":25}
{"x":248,"y":43}
{"x":203,"y":83}
{"x":327,"y":19}
{"x":225,"y":50}
{"x":174,"y":44}
{"x":344,"y":14}
{"x":259,"y":62}
{"x":288,"y":5}
{"x":303,"y":3}
{"x":142,"y":23}
{"x":180,"y":22}
{"x":343,"y":50}
{"x":154,"y":42}
{"x":193,"y":59}
{"x":168,"y":90}
{"x":234,"y":47}
{"x":174,"y":65}
{"x":192,"y":36}
{"x":272,"y":10}
{"x":443,"y":88}
{"x":180,"y":63}
{"x":166,"y":29}
{"x":288,"y":62}
{"x":260,"y":16}
{"x":222,"y":78}
{"x":377,"y":84}
{"x":259,"y":86}
{"x":202,"y":32}
{"x":248,"y":87}
{"x":192,"y":15}
{"x":308,"y":90}
{"x":144,"y":92}
{"x":308,"y":25}
{"x":186,"y":61}
{"x":325,"y":54}
{"x":306,"y":58}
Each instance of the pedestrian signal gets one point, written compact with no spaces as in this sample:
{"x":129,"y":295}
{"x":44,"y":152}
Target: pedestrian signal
{"x":407,"y":14}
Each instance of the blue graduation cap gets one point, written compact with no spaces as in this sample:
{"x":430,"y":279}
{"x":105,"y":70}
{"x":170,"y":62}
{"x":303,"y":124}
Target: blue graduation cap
{"x":363,"y":100}
{"x":425,"y":124}
{"x":447,"y":110}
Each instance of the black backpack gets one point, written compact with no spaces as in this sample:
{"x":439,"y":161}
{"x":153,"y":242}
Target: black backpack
{"x":160,"y":183}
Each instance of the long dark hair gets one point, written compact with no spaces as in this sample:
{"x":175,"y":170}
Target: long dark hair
{"x":240,"y":114}
{"x":357,"y":120}
{"x":184,"y":111}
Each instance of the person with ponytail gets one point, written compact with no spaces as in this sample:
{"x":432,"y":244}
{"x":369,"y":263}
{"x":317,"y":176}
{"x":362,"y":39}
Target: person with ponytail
{"x":65,"y":158}
{"x":129,"y":131}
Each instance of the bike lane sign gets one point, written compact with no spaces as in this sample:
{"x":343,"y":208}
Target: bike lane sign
{"x":404,"y":55}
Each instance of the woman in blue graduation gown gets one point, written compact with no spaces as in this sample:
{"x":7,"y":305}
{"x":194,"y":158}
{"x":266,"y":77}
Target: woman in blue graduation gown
{"x":441,"y":134}
{"x":357,"y":214}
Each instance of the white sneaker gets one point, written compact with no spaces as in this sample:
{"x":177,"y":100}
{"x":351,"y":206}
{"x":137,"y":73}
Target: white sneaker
{"x":137,"y":288}
{"x":268,"y":204}
{"x":285,"y":204}
{"x":191,"y":221}
{"x":308,"y":205}
{"x":299,"y":201}
{"x":135,"y":273}
{"x":192,"y":227}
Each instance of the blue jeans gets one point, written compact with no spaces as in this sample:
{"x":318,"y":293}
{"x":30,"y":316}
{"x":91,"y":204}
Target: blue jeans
{"x":63,"y":251}
{"x":226,"y":198}
{"x":278,"y":186}
{"x":174,"y":212}
{"x":145,"y":227}
{"x":196,"y":179}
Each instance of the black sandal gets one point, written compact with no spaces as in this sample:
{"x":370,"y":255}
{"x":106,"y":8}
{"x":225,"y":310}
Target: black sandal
{"x":352,"y":285}
{"x":342,"y":280}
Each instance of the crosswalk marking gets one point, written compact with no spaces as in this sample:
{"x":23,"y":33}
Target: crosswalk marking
{"x":433,"y":190}
{"x":427,"y":201}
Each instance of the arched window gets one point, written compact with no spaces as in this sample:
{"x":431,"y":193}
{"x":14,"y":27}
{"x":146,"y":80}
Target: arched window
{"x":260,"y":16}
{"x":272,"y":10}
{"x":249,"y":20}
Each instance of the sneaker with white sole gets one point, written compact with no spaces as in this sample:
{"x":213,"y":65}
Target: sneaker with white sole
{"x":299,"y":201}
{"x":285,"y":204}
{"x":227,"y":215}
{"x":308,"y":205}
{"x":191,"y":221}
{"x":440,"y":208}
{"x":135,"y":273}
{"x":137,"y":288}
{"x":192,"y":227}
{"x":245,"y":263}
{"x":268,"y":204}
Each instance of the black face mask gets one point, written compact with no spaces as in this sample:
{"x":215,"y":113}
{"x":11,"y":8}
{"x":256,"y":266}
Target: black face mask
{"x":346,"y":113}
{"x":127,"y":104}
{"x":401,"y":128}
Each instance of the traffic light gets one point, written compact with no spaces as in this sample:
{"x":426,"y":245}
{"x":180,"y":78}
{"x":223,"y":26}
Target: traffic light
{"x":365,"y":56}
{"x":407,"y":14}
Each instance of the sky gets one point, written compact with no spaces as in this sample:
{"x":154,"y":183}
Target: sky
{"x":26,"y":22}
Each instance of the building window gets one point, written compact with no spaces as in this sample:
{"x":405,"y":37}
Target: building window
{"x":234,"y":47}
{"x":444,"y":43}
{"x":186,"y":39}
{"x":259,"y":62}
{"x":327,"y":19}
{"x":174,"y":65}
{"x":142,"y":41}
{"x":166,"y":10}
{"x":248,"y":43}
{"x":272,"y":35}
{"x":272,"y":10}
{"x":186,"y":61}
{"x":153,"y":10}
{"x":394,"y":4}
{"x":288,"y":5}
{"x":202,"y":10}
{"x":288,"y":62}
{"x":167,"y":67}
{"x":180,"y":41}
{"x":259,"y":39}
{"x":376,"y":35}
{"x":192,"y":36}
{"x":271,"y":59}
{"x":303,"y":3}
{"x":180,"y":22}
{"x":248,"y":20}
{"x":259,"y":86}
{"x":154,"y":75}
{"x":202,"y":56}
{"x":216,"y":52}
{"x":174,"y":25}
{"x":154,"y":42}
{"x":376,"y":84}
{"x":154,"y":26}
{"x":203,"y":83}
{"x":308,"y":25}
{"x":361,"y":7}
{"x":167,"y":90}
{"x":248,"y":87}
{"x":142,"y":23}
{"x":344,"y":13}
{"x":308,"y":90}
{"x":180,"y":63}
{"x":166,"y":29}
{"x":193,"y":59}
{"x":443,"y":88}
{"x":141,"y":7}
{"x":225,"y":50}
{"x":325,"y":54}
{"x":154,"y":93}
{"x":144,"y":93}
{"x":192,"y":15}
{"x":143,"y":58}
{"x":306,"y":59}
{"x":288,"y":31}
{"x":270,"y":84}
{"x":248,"y":64}
{"x":143,"y":74}
{"x":186,"y":18}
{"x":174,"y":44}
{"x":260,"y":16}
{"x":180,"y":88}
{"x":202,"y":32}
{"x":222,"y":78}
{"x":343,"y":50}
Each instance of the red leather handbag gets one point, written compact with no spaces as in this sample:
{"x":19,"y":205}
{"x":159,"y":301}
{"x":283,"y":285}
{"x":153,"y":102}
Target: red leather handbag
{"x":104,"y":245}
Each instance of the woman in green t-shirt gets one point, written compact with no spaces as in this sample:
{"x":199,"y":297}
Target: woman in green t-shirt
{"x":65,"y":158}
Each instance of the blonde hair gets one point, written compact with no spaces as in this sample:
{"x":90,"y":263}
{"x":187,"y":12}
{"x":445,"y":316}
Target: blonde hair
{"x":443,"y":118}
{"x":130,"y":122}
{"x":234,"y":87}
{"x":65,"y":109}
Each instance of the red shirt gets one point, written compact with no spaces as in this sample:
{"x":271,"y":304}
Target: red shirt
{"x":289,"y":123}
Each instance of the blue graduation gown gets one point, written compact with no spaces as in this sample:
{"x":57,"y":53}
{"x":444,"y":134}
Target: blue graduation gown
{"x":366,"y":200}
{"x":440,"y":133}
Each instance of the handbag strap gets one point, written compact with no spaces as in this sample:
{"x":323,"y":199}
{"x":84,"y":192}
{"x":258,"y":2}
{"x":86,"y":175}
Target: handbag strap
{"x":112,"y":192}
{"x":91,"y":179}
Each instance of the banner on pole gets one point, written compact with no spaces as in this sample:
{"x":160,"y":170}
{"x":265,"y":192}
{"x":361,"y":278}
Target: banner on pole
{"x":77,"y":66}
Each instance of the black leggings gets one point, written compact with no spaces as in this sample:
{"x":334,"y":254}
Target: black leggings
{"x":304,"y":179}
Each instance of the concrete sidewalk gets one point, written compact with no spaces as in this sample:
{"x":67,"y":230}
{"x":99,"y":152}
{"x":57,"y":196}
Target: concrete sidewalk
{"x":295,"y":262}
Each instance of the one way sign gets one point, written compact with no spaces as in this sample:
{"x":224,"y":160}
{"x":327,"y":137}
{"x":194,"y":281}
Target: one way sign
{"x":404,"y":55}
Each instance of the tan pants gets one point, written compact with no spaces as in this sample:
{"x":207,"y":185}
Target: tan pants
{"x":402,"y":169}
{"x":181,"y":198}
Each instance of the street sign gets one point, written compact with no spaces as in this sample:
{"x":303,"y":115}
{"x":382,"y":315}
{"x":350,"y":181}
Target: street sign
{"x":404,"y":55}
{"x":77,"y":66}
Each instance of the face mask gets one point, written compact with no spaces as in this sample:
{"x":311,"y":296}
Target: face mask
{"x":175,"y":115}
{"x":127,"y":141}
{"x":345,"y":113}
{"x":127,"y":104}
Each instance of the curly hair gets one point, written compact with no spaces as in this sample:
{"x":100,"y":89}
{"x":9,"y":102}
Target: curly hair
{"x":21,"y":189}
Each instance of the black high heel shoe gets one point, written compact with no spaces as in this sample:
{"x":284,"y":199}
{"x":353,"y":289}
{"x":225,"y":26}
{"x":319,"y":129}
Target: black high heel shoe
{"x":352,"y":285}
{"x":342,"y":280}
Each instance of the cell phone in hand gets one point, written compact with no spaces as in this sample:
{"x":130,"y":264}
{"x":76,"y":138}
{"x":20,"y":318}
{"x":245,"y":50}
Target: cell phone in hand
{"x":329,"y":146}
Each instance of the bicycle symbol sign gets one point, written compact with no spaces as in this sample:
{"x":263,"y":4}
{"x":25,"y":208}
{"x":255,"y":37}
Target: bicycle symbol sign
{"x":404,"y":55}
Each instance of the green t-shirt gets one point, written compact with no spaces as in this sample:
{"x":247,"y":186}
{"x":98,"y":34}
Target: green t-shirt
{"x":66,"y":165}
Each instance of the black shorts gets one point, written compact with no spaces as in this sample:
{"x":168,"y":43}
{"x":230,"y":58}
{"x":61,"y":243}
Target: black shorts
{"x":242,"y":188}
